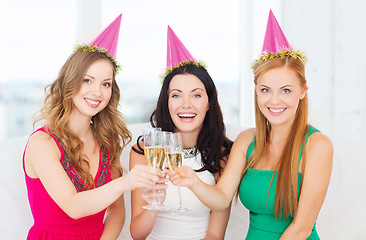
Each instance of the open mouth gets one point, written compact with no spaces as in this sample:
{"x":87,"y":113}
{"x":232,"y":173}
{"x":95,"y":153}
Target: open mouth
{"x":276,"y":110}
{"x":92,"y":103}
{"x":187,"y":115}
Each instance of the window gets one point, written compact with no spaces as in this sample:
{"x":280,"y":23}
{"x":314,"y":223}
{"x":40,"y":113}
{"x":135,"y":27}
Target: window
{"x":40,"y":35}
{"x":208,"y":29}
{"x":37,"y":37}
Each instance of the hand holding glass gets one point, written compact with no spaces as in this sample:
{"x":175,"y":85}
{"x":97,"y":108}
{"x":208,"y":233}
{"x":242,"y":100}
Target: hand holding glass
{"x":174,"y":158}
{"x":154,"y":158}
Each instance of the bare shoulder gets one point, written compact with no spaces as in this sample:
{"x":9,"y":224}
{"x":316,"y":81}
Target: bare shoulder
{"x":240,"y":146}
{"x":245,"y":137}
{"x":41,"y":152}
{"x":319,"y":147}
{"x":319,"y":141}
{"x":42,"y":142}
{"x":136,"y":158}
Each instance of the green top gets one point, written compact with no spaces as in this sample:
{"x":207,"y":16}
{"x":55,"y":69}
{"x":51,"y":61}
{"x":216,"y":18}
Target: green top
{"x":253,"y":192}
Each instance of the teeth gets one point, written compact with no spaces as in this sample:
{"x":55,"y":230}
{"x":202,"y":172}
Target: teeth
{"x":187,"y":115}
{"x":92,"y":102}
{"x":277,"y":110}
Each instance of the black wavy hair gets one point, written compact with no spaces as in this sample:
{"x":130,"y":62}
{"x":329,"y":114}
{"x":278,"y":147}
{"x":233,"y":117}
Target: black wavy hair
{"x":211,"y":141}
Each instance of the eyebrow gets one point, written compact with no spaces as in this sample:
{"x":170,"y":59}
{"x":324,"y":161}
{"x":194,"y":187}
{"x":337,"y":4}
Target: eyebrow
{"x":193,"y":90}
{"x":107,"y":79}
{"x":175,"y":90}
{"x":286,"y":86}
{"x":86,"y":75}
{"x":197,"y":89}
{"x":262,"y":85}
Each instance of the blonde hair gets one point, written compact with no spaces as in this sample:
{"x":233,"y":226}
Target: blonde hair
{"x":108,"y":125}
{"x":288,"y":165}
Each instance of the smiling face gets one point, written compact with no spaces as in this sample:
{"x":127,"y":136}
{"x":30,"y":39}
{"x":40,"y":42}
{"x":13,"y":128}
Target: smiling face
{"x":187,"y":102}
{"x":278,"y":92}
{"x":95,"y":91}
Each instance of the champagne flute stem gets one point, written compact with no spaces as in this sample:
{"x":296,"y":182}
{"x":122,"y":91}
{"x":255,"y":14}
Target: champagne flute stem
{"x":154,"y":198}
{"x":180,"y":197}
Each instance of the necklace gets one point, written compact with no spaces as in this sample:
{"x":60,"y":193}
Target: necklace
{"x":190,"y":152}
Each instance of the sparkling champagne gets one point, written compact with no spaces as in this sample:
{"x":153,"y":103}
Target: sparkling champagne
{"x":162,"y":161}
{"x":154,"y":157}
{"x":174,"y":159}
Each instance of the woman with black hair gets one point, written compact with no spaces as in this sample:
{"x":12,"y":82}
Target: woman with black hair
{"x":187,"y":104}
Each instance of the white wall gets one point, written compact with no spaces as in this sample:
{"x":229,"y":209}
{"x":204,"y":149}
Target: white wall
{"x":333,"y":35}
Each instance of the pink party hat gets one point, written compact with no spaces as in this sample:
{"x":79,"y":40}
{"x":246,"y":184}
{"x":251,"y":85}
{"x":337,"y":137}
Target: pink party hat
{"x":176,"y":52}
{"x":275,"y":43}
{"x":108,"y":39}
{"x":106,"y":42}
{"x":274,"y":40}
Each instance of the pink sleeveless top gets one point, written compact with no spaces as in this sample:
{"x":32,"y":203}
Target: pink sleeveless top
{"x":50,"y":221}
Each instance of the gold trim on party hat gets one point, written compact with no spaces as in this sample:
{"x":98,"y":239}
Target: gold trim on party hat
{"x":275,"y":44}
{"x":296,"y":54}
{"x":87,"y":48}
{"x":178,"y":55}
{"x":181,"y":64}
{"x":106,"y":42}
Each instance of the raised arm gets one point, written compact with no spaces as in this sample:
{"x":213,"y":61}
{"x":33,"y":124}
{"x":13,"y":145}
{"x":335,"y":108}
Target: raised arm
{"x":142,"y":220}
{"x":219,"y":197}
{"x":42,"y":159}
{"x":317,"y":170}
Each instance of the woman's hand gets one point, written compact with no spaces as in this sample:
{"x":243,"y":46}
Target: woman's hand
{"x":141,"y":176}
{"x":185,"y":176}
{"x":160,"y":191}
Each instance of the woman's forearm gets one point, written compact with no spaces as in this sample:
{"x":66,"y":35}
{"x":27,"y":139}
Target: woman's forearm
{"x":93,"y":201}
{"x":296,"y":232}
{"x":142,"y":225}
{"x":211,"y":196}
{"x":114,"y":220}
{"x":214,"y":197}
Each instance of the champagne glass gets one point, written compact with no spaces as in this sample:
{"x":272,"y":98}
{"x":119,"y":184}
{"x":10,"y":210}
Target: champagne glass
{"x":165,"y":146}
{"x":153,"y":154}
{"x":174,"y":157}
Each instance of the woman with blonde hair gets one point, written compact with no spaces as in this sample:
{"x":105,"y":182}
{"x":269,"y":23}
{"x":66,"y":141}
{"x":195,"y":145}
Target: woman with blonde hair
{"x":72,"y":164}
{"x":282,"y":168}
